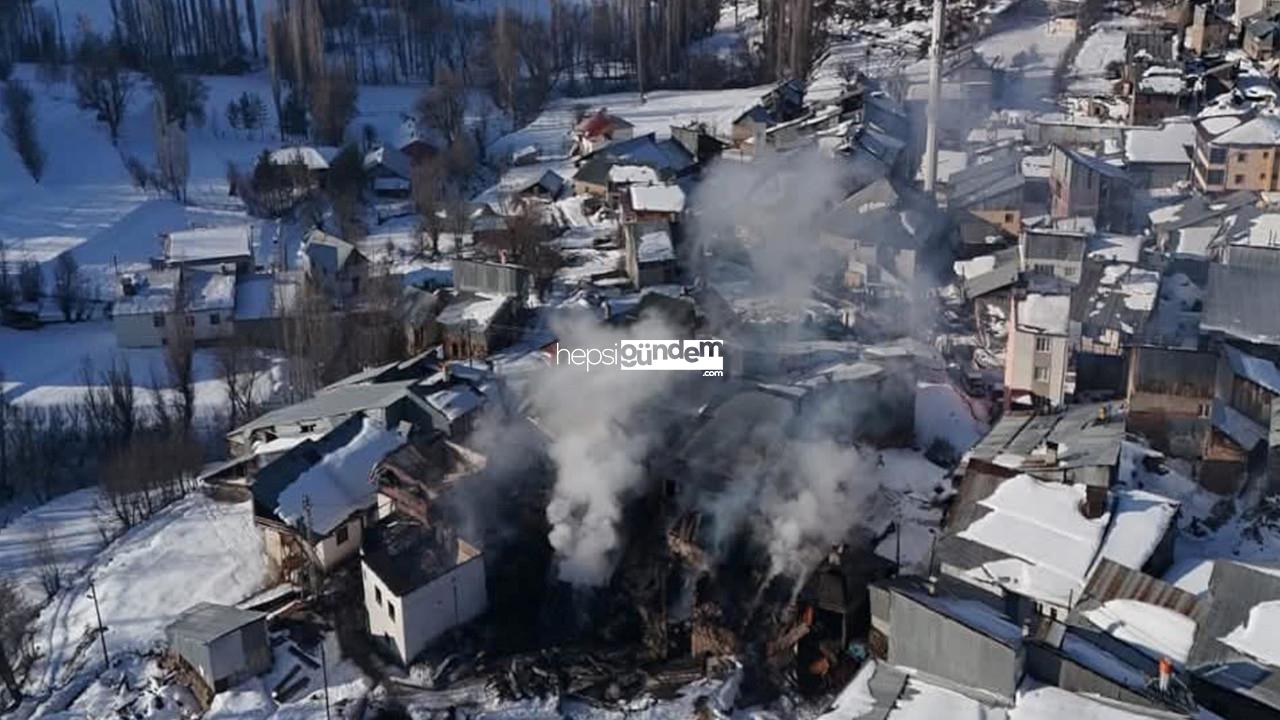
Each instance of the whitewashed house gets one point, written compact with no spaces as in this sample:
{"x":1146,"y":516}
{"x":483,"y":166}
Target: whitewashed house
{"x":151,"y":307}
{"x":419,"y":583}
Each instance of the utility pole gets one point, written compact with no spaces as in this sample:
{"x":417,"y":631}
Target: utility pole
{"x":935,"y":97}
{"x":324,"y":674}
{"x":312,"y":579}
{"x":102,"y":631}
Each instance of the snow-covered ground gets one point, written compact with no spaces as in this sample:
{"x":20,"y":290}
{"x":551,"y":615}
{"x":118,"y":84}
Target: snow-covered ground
{"x":73,"y":526}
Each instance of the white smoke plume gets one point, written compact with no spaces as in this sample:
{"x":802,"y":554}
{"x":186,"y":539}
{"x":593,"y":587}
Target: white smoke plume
{"x":597,"y":446}
{"x":816,"y":506}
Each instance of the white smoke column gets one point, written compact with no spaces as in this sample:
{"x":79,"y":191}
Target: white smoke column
{"x":824,"y":497}
{"x":597,"y":450}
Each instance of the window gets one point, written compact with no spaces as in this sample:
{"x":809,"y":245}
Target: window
{"x":1043,"y":268}
{"x":1239,"y":179}
{"x":1265,"y":154}
{"x":214,"y":319}
{"x":391,"y":610}
{"x":377,"y":595}
{"x":1217,"y":155}
{"x":1042,"y":374}
{"x":1216,"y":177}
{"x":157,"y":320}
{"x":1203,"y":410}
{"x":1068,"y":272}
{"x":1240,"y":157}
{"x":191,"y":321}
{"x":342,"y":535}
{"x":1008,"y":217}
{"x":1042,"y":344}
{"x":307,"y":427}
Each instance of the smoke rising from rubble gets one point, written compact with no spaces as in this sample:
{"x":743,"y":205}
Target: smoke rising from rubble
{"x":597,"y":445}
{"x":774,"y":205}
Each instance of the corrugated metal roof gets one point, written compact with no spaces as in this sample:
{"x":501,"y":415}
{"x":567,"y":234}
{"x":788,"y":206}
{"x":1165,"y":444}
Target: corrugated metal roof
{"x":1234,"y":590}
{"x":1241,"y":302}
{"x":206,"y":622}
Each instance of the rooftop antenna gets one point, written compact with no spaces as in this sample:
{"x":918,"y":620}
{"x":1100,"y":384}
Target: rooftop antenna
{"x":935,"y":97}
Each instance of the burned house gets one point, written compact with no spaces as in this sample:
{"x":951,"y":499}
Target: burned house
{"x":414,"y":479}
{"x":419,"y":583}
{"x":888,"y":236}
{"x":1083,"y":185}
{"x":1261,"y":39}
{"x":313,"y":503}
{"x":1111,"y":306}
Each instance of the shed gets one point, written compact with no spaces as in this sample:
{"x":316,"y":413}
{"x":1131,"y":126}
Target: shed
{"x":224,"y":644}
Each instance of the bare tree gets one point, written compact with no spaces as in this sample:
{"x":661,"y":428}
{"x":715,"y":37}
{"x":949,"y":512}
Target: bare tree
{"x":428,"y":199}
{"x":180,"y":357}
{"x":103,"y":85}
{"x":173,"y":164}
{"x":442,"y":105}
{"x":142,"y":477}
{"x":333,"y":104}
{"x":241,"y":369}
{"x":18,"y":106}
{"x":68,"y":285}
{"x":30,"y":281}
{"x":48,"y":562}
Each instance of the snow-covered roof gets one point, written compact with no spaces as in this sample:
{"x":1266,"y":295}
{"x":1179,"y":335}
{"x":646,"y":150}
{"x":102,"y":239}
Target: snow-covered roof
{"x":1259,"y":636}
{"x":455,"y":402}
{"x":655,"y":246}
{"x":637,"y":174}
{"x":311,"y":157}
{"x":657,"y":198}
{"x":1141,"y":521}
{"x":477,"y":308}
{"x":1261,"y":130}
{"x":1161,"y":80}
{"x":338,"y":484}
{"x":156,"y":292}
{"x":1157,"y":631}
{"x":1109,"y":247}
{"x":1039,"y":525}
{"x":208,"y":244}
{"x":1048,"y":314}
{"x":1166,"y":144}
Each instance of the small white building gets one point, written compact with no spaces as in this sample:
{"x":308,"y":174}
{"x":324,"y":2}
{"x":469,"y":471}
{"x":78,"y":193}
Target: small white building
{"x":151,"y":305}
{"x":1037,"y":353}
{"x":419,"y":583}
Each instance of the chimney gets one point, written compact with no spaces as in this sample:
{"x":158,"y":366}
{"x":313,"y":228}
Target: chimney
{"x":1095,"y":501}
{"x":1047,"y":453}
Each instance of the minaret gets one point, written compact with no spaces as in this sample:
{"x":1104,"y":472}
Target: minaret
{"x":935,"y":97}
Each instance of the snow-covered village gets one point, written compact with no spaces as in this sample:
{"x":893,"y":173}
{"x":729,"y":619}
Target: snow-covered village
{"x":650,"y":359}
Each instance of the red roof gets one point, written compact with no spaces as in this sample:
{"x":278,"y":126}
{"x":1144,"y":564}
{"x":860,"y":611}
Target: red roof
{"x":600,"y":123}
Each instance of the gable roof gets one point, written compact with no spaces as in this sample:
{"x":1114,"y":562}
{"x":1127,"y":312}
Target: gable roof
{"x":211,"y":244}
{"x":329,"y":251}
{"x":205,"y":622}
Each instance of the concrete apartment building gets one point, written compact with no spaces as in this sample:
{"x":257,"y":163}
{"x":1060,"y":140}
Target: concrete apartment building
{"x":1237,"y":151}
